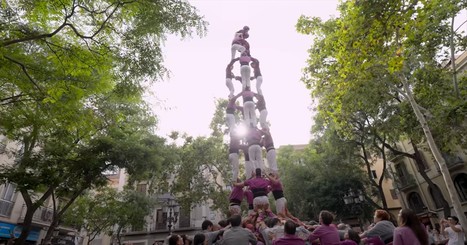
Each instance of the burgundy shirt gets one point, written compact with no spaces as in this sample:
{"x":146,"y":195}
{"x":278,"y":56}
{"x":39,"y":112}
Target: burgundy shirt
{"x":289,"y":240}
{"x":249,"y":196}
{"x":237,"y":193}
{"x":261,"y":103}
{"x":256,"y":70}
{"x":327,"y":235}
{"x":247,"y":96}
{"x":267,"y":141}
{"x":254,"y":136}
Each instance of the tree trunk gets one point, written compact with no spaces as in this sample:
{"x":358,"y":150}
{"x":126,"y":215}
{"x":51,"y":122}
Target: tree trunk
{"x":26,"y":225}
{"x":436,"y":191}
{"x":58,"y":215}
{"x":436,"y":153}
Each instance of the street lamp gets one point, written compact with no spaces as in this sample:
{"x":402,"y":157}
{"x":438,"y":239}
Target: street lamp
{"x":172,"y":208}
{"x":355,"y":200}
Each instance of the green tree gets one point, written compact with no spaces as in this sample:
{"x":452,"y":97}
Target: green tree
{"x":109,"y":212}
{"x":378,"y":55}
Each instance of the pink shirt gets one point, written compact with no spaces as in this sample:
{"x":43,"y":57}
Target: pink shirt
{"x":326,"y":234}
{"x":276,"y":186}
{"x":244,"y":60}
{"x":289,"y":240}
{"x":237,"y":193}
{"x":258,"y":183}
{"x":249,"y":196}
{"x":404,"y":236}
{"x":254,"y":136}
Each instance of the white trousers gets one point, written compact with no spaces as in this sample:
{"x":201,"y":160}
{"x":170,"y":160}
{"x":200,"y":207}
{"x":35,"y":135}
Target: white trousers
{"x":272,"y":162}
{"x":249,"y":113}
{"x":233,"y":158}
{"x":230,"y":120}
{"x":230,"y":86}
{"x":263,"y":115}
{"x":235,"y":48}
{"x":235,"y":209}
{"x":261,"y":200}
{"x":249,"y":169}
{"x":256,"y":156}
{"x":281,"y":204}
{"x":259,"y":81}
{"x":245,"y":72}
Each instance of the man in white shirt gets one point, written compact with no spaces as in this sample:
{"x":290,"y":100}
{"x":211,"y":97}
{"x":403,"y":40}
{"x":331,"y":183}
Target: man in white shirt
{"x":453,"y":230}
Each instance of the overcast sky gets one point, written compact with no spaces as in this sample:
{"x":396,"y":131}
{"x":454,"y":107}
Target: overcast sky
{"x":185,"y":102}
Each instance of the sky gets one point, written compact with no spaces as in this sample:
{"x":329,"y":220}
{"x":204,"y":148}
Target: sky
{"x":186,"y":101}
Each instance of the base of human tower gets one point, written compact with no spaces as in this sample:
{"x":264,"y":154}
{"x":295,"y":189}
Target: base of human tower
{"x":267,"y":226}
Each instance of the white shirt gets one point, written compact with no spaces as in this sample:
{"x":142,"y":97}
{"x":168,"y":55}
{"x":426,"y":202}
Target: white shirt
{"x":455,"y":238}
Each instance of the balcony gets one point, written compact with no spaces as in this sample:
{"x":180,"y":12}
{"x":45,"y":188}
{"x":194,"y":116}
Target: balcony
{"x":42,"y":216}
{"x":6,"y":207}
{"x":453,"y":161}
{"x":405,"y":182}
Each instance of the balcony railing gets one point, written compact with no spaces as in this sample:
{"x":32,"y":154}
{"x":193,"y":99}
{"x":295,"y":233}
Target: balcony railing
{"x":453,"y":161}
{"x":6,"y":207}
{"x":42,"y":215}
{"x":405,"y":182}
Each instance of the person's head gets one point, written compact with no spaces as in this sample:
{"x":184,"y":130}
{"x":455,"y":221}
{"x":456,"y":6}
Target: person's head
{"x":253,"y":64}
{"x":453,"y":220}
{"x":200,"y":239}
{"x":246,"y":28}
{"x":352,"y":235}
{"x":290,"y":227}
{"x":271,"y":222}
{"x":223,"y":223}
{"x":258,"y":172}
{"x":326,"y":217}
{"x":342,"y":226}
{"x":380,"y":215}
{"x":235,"y":220}
{"x":207,"y":225}
{"x":186,"y":241}
{"x":175,"y":240}
{"x":408,"y":218}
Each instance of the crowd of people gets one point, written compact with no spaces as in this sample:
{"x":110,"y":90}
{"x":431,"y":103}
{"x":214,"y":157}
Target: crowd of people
{"x":244,"y":231}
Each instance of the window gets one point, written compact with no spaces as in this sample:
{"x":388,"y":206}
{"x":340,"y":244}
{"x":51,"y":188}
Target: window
{"x":394,"y":194}
{"x":161,"y":220}
{"x":424,"y":162}
{"x":184,"y":218}
{"x":141,"y":188}
{"x":460,"y":182}
{"x":7,"y":199}
{"x":373,"y":174}
{"x":437,"y":201}
{"x":8,"y":192}
{"x":415,"y":202}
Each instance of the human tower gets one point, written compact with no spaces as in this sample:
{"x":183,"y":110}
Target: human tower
{"x":260,"y":179}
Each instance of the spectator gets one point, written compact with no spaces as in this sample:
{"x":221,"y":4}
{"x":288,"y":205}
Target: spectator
{"x":208,"y":230}
{"x":452,"y":230}
{"x":237,"y":235}
{"x":289,"y":238}
{"x":325,"y":233}
{"x":383,"y":228}
{"x":410,"y":230}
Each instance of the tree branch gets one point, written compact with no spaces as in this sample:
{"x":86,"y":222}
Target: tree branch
{"x":23,"y":68}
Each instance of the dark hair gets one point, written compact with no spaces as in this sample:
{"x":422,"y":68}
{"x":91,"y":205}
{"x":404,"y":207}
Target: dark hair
{"x":258,"y":172}
{"x":271,"y":222}
{"x":382,"y":214}
{"x":223,"y":223}
{"x":205,"y":225}
{"x":409,"y":218}
{"x":290,"y":227}
{"x":326,"y":217}
{"x":353,"y":235}
{"x":235,"y":220}
{"x":199,"y":239}
{"x":185,"y":239}
{"x":173,"y":239}
{"x":454,"y":218}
